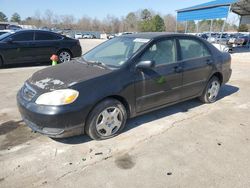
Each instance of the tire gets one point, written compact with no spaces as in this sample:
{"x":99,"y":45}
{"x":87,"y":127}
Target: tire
{"x":106,"y":120}
{"x":1,"y":62}
{"x":211,"y":91}
{"x":64,"y":56}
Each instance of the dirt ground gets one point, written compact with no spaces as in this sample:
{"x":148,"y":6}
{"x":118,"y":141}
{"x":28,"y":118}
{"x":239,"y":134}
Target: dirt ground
{"x":186,"y":145}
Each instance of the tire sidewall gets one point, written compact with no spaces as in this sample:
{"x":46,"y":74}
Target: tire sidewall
{"x":207,"y":100}
{"x":91,"y":120}
{"x":1,"y":62}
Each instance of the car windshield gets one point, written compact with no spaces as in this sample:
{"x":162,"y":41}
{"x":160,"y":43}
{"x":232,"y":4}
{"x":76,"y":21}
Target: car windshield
{"x":4,"y":35}
{"x":115,"y":52}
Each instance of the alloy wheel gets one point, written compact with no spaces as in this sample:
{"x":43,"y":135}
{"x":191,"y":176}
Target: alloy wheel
{"x":213,"y":90}
{"x":64,"y":56}
{"x":109,"y":121}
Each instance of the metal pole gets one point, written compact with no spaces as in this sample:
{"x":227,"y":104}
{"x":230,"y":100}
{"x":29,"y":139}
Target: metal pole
{"x":211,"y":27}
{"x":176,"y":26}
{"x":248,"y":42}
{"x":224,"y":24}
{"x":186,"y":27}
{"x":176,"y":23}
{"x":197,"y":29}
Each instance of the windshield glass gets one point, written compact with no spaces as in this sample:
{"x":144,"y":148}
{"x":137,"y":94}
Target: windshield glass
{"x":115,"y":52}
{"x":4,"y":35}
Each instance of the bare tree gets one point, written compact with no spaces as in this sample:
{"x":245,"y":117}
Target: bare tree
{"x":170,"y":23}
{"x":85,"y":23}
{"x":96,"y":25}
{"x":68,"y":21}
{"x":131,"y":22}
{"x":48,"y":18}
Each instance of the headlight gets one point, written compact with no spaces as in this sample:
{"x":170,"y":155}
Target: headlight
{"x":58,"y":97}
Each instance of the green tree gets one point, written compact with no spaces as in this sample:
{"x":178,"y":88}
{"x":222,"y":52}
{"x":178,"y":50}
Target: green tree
{"x":145,"y":26}
{"x":15,"y":18}
{"x":3,"y":17}
{"x":158,"y":24}
{"x":146,"y":15}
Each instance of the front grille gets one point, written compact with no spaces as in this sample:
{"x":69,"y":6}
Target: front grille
{"x":28,"y":93}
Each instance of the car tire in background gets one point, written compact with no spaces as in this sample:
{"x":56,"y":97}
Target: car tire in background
{"x":211,"y":91}
{"x":1,"y":62}
{"x":64,"y":56}
{"x":106,"y":120}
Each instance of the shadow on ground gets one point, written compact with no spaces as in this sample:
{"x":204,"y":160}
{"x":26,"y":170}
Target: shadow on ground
{"x":226,"y":90}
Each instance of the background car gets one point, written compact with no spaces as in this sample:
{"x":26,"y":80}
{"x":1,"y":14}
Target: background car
{"x":239,"y":39}
{"x":25,"y":46}
{"x":222,"y":39}
{"x":78,"y":36}
{"x":5,"y":31}
{"x":13,"y":27}
{"x":87,"y":36}
{"x":242,"y":40}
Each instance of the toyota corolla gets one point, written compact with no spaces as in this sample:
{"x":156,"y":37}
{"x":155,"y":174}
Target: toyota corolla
{"x":121,"y":78}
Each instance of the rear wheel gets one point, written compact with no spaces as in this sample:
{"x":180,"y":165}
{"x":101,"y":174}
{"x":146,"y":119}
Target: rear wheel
{"x":64,"y":56}
{"x":211,"y":91}
{"x":106,"y":120}
{"x":1,"y":62}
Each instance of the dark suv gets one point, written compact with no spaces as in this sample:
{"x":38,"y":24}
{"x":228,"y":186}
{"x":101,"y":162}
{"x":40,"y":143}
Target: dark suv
{"x":25,"y":46}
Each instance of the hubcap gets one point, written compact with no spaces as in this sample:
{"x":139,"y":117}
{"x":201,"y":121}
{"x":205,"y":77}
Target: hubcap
{"x":213,"y":90}
{"x":64,"y":56}
{"x":109,"y":121}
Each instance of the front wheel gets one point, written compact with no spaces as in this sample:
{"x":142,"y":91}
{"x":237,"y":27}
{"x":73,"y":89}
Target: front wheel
{"x":211,"y":91}
{"x":106,"y":120}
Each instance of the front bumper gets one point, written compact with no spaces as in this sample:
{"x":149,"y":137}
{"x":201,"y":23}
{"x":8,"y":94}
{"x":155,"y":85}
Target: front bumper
{"x":52,"y":121}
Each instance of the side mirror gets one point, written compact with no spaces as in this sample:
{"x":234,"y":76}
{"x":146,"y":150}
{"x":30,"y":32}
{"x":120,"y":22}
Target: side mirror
{"x":145,"y":65}
{"x":9,"y":40}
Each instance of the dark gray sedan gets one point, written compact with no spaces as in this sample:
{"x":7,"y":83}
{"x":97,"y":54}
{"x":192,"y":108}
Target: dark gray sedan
{"x":122,"y":78}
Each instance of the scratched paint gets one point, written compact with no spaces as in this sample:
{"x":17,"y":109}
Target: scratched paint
{"x":48,"y":82}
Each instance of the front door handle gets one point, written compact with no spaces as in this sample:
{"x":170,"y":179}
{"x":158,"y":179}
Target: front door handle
{"x":178,"y":69}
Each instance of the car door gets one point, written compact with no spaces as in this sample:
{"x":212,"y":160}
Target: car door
{"x":19,"y":49}
{"x":161,"y":84}
{"x":197,"y":65}
{"x":45,"y":44}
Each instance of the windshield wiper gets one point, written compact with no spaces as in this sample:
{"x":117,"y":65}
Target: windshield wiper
{"x":99,"y":63}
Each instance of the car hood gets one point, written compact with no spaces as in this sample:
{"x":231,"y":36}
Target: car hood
{"x":65,"y":75}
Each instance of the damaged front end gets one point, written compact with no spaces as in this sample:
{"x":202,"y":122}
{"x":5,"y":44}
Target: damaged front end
{"x":52,"y":117}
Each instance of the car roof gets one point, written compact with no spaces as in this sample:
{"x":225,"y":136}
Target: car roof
{"x":154,"y":35}
{"x":29,"y":30}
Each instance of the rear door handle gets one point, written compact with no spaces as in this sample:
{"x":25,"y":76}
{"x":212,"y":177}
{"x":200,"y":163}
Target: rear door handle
{"x":209,"y":61}
{"x":178,"y":69}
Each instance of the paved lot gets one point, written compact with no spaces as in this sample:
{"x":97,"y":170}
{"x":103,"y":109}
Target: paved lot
{"x":186,"y":145}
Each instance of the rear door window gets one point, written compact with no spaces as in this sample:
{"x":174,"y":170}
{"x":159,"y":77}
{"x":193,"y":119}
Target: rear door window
{"x":47,"y":36}
{"x":191,"y":49}
{"x":26,"y":36}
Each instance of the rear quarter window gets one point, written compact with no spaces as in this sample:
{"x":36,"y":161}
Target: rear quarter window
{"x":47,"y":36}
{"x":191,"y":48}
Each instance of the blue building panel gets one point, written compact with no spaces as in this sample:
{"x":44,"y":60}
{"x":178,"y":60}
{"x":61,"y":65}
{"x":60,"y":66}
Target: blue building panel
{"x":204,"y":14}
